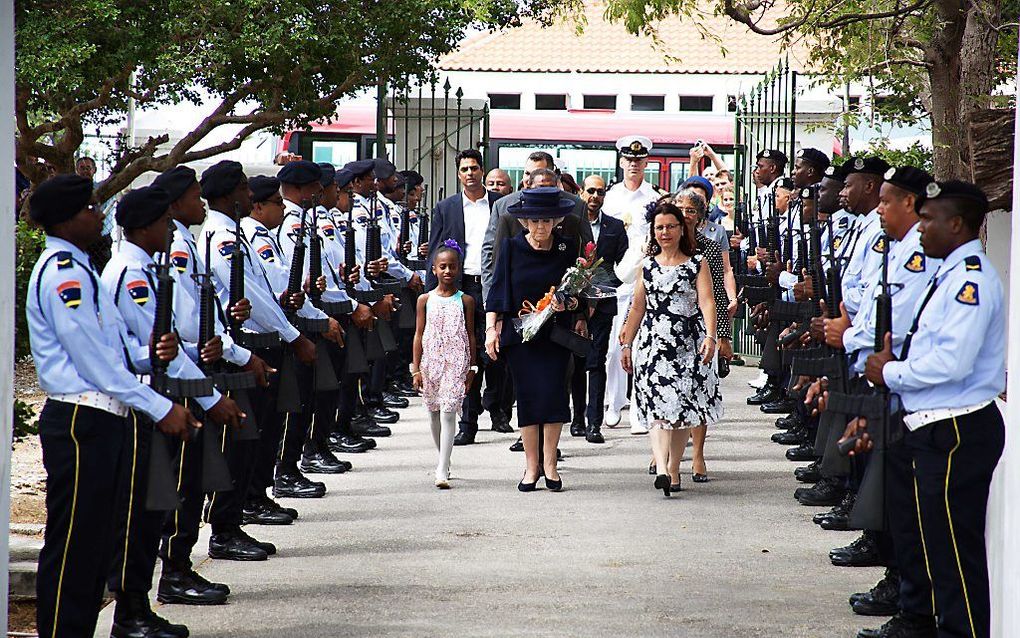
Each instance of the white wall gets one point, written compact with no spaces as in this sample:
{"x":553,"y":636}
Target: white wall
{"x":7,"y":196}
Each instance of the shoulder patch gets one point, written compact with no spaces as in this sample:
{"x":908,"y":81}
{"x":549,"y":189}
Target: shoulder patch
{"x":179,"y":258}
{"x":968,"y":294}
{"x":972,"y":263}
{"x":328,"y":230}
{"x":879,"y":245}
{"x":916,"y":262}
{"x":139,"y":291}
{"x":70,"y":292}
{"x":226,"y":249}
{"x":266,"y":253}
{"x":837,"y":241}
{"x":844,"y":222}
{"x":64,"y":260}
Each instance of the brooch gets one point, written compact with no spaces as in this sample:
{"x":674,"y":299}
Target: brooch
{"x":561,"y":247}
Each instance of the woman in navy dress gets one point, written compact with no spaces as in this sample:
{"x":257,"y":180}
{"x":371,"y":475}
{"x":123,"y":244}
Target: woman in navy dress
{"x":528,"y":265}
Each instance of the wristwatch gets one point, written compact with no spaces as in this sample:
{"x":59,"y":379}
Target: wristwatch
{"x":473,"y":369}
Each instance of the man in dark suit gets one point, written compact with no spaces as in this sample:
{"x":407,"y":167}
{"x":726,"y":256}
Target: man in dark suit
{"x":610,"y":244}
{"x":464,"y":218}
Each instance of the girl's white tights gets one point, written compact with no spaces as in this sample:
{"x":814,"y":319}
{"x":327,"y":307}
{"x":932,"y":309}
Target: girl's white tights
{"x":444,"y":429}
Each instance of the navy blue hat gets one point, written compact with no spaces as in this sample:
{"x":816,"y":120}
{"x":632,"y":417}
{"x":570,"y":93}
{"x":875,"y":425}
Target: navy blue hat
{"x":913,"y":180}
{"x":776,"y":156}
{"x":176,"y":181}
{"x":59,"y":199}
{"x":814,"y":157}
{"x":221,"y":179}
{"x":414,"y":179}
{"x":328,"y":173}
{"x":343,"y":177}
{"x":142,"y":206}
{"x":956,"y":189}
{"x":262,"y":187}
{"x":384,"y":169}
{"x":698,"y":181}
{"x":299,"y":173}
{"x":866,"y":165}
{"x":543,"y":202}
{"x":360,"y":168}
{"x":836,"y":173}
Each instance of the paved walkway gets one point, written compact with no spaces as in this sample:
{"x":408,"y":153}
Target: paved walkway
{"x":386,"y":554}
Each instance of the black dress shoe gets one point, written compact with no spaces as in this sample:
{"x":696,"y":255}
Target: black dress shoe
{"x":464,"y":438}
{"x":501,"y":422}
{"x":401,"y":390}
{"x":699,"y":478}
{"x":594,"y":434}
{"x":257,"y":513}
{"x":322,"y":463}
{"x":880,"y":599}
{"x":371,"y":429}
{"x":382,"y":415}
{"x":788,"y":422}
{"x":863,"y":552}
{"x":824,"y":492}
{"x":768,"y":393}
{"x":652,"y":469}
{"x":838,"y":520}
{"x":349,"y":445}
{"x":134,"y":618}
{"x":526,"y":487}
{"x":393,"y":401}
{"x":903,"y":625}
{"x":554,"y":486}
{"x":839,"y":510}
{"x":811,"y":473}
{"x":779,"y":406}
{"x":796,"y":436}
{"x":276,"y":507}
{"x":577,"y":429}
{"x":267,"y":547}
{"x":230,"y":546}
{"x":180,"y":587}
{"x":662,"y":483}
{"x":801,"y":453}
{"x":518,"y":446}
{"x":297,"y":486}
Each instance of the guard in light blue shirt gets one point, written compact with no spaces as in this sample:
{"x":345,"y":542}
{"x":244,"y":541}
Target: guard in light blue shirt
{"x":84,"y":360}
{"x":950,"y":371}
{"x":863,"y":249}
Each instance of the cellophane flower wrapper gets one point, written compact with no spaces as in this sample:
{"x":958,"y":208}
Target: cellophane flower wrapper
{"x":575,"y":282}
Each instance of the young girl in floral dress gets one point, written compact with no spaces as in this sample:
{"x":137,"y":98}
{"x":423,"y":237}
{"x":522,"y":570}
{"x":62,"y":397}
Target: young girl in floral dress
{"x":444,"y":353}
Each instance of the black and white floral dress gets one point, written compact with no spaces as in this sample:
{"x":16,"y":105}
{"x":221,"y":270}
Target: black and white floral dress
{"x":672,"y":388}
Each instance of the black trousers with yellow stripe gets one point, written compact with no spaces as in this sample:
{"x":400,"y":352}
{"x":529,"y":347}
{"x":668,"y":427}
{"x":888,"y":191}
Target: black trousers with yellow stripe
{"x":225,"y":507}
{"x":81,"y":451}
{"x":137,"y":533}
{"x":180,"y":528}
{"x":296,"y":425}
{"x":953,"y":464}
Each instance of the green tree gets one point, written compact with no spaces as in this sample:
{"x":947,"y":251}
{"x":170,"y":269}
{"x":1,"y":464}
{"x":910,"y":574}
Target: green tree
{"x":262,"y":63}
{"x":939,"y":60}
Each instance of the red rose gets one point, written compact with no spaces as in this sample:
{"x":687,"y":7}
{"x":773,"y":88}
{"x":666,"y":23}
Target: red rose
{"x":589,"y":249}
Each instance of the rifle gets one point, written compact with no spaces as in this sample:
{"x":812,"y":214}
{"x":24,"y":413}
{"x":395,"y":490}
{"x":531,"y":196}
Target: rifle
{"x":373,"y":251}
{"x":405,"y":238}
{"x":297,"y":265}
{"x":314,"y":256}
{"x":739,"y":225}
{"x":425,"y":219}
{"x":236,"y":276}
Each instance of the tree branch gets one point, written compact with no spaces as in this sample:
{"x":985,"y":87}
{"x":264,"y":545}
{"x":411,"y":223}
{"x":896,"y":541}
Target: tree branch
{"x":895,"y":62}
{"x":742,"y":15}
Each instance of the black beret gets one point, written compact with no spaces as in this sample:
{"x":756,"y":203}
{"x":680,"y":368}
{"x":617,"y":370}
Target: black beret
{"x":955,"y":189}
{"x":221,"y":179}
{"x":59,"y":199}
{"x":328,"y":174}
{"x":785,"y":182}
{"x":343,"y":177}
{"x":836,"y":173}
{"x":384,"y":169}
{"x":913,"y":180}
{"x":867,"y":165}
{"x":414,"y":178}
{"x":176,"y":181}
{"x":814,"y":157}
{"x":360,"y":168}
{"x":262,"y":187}
{"x":299,"y":173}
{"x":776,"y":156}
{"x":142,"y":206}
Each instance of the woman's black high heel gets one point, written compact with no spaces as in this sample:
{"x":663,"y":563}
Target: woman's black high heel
{"x":662,"y":483}
{"x":527,"y":487}
{"x":554,"y":486}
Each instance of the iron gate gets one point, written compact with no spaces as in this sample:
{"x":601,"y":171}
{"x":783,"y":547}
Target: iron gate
{"x":430,"y":124}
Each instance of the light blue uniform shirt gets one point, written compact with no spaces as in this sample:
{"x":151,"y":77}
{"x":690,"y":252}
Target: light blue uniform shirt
{"x":79,"y":340}
{"x":283,"y":239}
{"x":910,"y":270}
{"x":861,"y":259}
{"x":129,"y":278}
{"x":957,"y":356}
{"x":266,"y":313}
{"x":362,"y":213}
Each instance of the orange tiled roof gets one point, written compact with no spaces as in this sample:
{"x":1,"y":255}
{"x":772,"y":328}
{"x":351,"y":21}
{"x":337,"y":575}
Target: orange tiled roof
{"x":605,"y":47}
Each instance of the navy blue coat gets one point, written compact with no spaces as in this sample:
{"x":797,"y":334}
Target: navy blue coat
{"x":448,"y":223}
{"x":611,"y":246}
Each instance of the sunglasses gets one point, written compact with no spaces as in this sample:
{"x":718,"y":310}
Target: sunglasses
{"x":595,"y":191}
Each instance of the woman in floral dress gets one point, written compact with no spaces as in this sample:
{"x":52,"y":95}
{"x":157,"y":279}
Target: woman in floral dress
{"x":669,"y":342}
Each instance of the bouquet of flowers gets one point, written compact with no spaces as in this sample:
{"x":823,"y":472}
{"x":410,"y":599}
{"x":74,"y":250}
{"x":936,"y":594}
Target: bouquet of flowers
{"x":576,"y":281}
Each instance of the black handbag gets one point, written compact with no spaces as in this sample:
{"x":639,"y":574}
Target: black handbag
{"x":724,"y":367}
{"x":580,"y":346}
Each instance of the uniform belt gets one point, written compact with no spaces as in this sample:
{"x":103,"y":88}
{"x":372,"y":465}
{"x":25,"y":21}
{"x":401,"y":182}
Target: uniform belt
{"x":921,"y":418}
{"x":472,"y":279}
{"x":259,"y":340}
{"x":93,"y":399}
{"x":311,"y":326}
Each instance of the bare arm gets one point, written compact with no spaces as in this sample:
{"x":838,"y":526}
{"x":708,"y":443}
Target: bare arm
{"x":469,"y":323}
{"x":419,"y":331}
{"x":636,"y":314}
{"x":706,"y":302}
{"x":729,"y":281}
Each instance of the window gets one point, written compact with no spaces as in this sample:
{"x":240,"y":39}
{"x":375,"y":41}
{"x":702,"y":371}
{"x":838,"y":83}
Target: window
{"x":695,"y":102}
{"x":600,"y":102}
{"x":731,"y":103}
{"x":505,"y":101}
{"x":648,"y":102}
{"x":550,"y":102}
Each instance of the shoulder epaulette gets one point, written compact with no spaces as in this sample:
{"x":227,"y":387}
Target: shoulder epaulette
{"x":64,"y":259}
{"x":972,"y":263}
